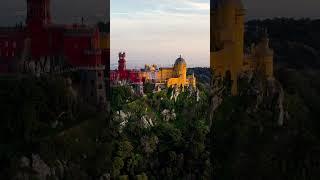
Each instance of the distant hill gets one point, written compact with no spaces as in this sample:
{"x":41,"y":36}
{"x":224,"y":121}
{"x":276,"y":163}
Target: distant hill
{"x":296,"y":43}
{"x":203,"y":75}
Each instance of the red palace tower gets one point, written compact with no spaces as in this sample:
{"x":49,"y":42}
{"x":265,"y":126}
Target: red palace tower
{"x":122,"y":62}
{"x":122,"y":74}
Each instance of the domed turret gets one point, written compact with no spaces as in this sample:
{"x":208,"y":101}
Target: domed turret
{"x":179,"y":61}
{"x":180,"y":69}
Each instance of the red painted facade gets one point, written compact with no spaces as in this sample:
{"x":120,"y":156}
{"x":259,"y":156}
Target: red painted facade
{"x":123,"y":74}
{"x":79,"y":45}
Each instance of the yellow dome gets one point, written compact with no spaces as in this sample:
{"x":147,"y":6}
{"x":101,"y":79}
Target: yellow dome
{"x":179,"y":61}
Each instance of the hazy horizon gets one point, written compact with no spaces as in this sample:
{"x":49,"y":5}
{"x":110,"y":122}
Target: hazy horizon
{"x":157,"y":32}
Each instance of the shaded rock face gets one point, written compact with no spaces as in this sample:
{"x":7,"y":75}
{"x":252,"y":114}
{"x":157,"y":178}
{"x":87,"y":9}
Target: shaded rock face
{"x":105,"y":177}
{"x":262,"y":93}
{"x":36,"y":168}
{"x":276,"y":91}
{"x":149,"y":144}
{"x":42,"y":170}
{"x":178,"y":90}
{"x":146,"y":122}
{"x":216,"y":96}
{"x":24,"y":162}
{"x":268,"y":95}
{"x":175,"y":93}
{"x":33,"y":168}
{"x":168,"y":115}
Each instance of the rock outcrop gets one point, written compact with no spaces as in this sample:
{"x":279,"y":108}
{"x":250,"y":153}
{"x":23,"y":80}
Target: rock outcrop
{"x":216,"y":97}
{"x":263,"y":94}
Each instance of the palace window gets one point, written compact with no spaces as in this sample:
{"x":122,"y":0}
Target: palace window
{"x":14,"y":44}
{"x":6,"y":43}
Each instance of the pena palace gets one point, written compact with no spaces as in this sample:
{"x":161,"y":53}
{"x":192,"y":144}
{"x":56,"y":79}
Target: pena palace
{"x":42,"y":47}
{"x":161,"y":78}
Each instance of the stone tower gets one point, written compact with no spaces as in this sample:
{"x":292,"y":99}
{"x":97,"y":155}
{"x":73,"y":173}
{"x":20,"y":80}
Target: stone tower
{"x":227,"y":39}
{"x":263,"y":56}
{"x":92,"y":77}
{"x":122,"y":62}
{"x":180,"y":70}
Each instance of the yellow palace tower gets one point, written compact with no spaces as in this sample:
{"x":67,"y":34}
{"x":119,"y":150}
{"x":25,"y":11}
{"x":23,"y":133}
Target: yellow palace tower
{"x":227,"y":44}
{"x":175,"y":76}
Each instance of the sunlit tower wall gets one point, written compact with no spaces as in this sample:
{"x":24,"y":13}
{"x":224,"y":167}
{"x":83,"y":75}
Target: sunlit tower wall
{"x":227,"y":39}
{"x":180,"y":70}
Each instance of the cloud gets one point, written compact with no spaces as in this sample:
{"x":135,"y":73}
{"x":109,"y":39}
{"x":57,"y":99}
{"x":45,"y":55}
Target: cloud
{"x":158,"y":31}
{"x":200,"y":5}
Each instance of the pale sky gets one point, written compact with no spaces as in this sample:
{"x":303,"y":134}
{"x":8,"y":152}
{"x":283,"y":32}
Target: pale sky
{"x":158,"y":31}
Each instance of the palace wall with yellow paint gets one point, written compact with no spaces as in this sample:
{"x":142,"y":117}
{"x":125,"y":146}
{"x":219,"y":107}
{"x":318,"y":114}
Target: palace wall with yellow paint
{"x":227,"y":45}
{"x":175,"y":76}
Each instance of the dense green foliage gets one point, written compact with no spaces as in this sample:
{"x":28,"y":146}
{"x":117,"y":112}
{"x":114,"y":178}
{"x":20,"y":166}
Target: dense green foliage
{"x":42,"y":116}
{"x":157,"y":137}
{"x":168,"y":149}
